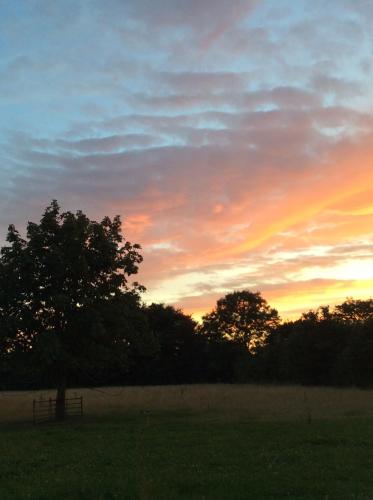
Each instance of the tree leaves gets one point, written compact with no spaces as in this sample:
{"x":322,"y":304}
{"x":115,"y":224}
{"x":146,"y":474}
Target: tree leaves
{"x":242,"y":316}
{"x":56,"y":288}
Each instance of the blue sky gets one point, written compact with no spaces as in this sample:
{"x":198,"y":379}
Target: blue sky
{"x":232,"y":136}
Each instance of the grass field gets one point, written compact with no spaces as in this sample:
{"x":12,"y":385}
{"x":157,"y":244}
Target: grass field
{"x":200,"y":446}
{"x":256,"y":401}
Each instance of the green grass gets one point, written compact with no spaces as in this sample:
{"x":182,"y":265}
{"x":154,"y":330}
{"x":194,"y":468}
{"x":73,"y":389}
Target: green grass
{"x":187,"y":456}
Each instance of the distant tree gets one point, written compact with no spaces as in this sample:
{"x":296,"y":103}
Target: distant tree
{"x":181,"y":350}
{"x":312,"y":351}
{"x":60,"y":292}
{"x":242,"y":316}
{"x":352,"y":310}
{"x":322,"y":313}
{"x":354,"y":366}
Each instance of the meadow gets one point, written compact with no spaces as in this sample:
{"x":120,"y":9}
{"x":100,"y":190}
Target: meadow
{"x":192,"y":442}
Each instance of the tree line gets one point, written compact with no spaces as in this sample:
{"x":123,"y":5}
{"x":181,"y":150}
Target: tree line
{"x":69,"y":316}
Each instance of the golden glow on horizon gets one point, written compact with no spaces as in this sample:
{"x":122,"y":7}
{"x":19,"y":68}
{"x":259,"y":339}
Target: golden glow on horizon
{"x":306,"y":248}
{"x":292,"y":304}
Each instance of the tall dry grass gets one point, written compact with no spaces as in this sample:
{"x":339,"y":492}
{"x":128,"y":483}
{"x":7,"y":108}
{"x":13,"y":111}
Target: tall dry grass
{"x":253,"y":401}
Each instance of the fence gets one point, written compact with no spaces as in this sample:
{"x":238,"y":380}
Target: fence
{"x":44,"y":410}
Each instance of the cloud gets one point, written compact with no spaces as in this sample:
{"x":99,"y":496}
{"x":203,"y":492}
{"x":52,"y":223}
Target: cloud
{"x":235,"y":138}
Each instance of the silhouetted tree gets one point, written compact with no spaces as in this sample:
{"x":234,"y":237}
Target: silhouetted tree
{"x":312,"y":351}
{"x":354,"y":310}
{"x":243,"y":317}
{"x":60,"y":291}
{"x":181,"y":350}
{"x":354,"y":365}
{"x":322,"y":313}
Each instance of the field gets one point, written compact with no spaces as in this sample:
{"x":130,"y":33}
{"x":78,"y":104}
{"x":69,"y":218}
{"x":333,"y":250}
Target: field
{"x":201,"y":442}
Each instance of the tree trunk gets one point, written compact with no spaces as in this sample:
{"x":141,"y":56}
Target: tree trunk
{"x":60,"y":399}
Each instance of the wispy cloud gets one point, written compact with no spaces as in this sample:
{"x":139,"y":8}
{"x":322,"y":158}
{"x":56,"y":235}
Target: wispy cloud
{"x":235,"y":138}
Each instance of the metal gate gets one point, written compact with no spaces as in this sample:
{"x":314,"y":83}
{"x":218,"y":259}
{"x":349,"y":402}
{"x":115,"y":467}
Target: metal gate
{"x":44,"y":410}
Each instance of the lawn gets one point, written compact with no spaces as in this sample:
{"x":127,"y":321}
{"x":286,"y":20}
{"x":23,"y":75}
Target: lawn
{"x":188,"y":455}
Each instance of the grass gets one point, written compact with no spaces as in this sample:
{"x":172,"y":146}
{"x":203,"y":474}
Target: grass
{"x":195,"y":456}
{"x":255,"y":401}
{"x":201,"y":442}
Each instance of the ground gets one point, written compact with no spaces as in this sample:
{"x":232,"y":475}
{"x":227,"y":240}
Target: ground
{"x":190,"y":454}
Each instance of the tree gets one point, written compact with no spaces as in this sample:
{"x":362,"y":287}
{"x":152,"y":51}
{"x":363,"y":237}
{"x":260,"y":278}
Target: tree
{"x":242,"y":316}
{"x":57,"y":288}
{"x":353,"y":311}
{"x":181,"y":356}
{"x":317,"y":316}
{"x":309,"y":349}
{"x":354,"y":366}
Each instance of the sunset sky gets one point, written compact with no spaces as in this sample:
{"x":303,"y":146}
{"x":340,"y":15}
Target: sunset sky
{"x":234,"y":137}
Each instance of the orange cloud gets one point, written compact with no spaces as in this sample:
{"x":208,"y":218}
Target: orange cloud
{"x":328,"y":203}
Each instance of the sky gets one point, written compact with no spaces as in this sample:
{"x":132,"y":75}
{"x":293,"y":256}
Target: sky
{"x":234,"y":138}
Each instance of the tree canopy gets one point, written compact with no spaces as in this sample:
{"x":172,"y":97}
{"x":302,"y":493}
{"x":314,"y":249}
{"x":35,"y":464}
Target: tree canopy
{"x":352,"y":310}
{"x":58,"y":289}
{"x":242,"y":316}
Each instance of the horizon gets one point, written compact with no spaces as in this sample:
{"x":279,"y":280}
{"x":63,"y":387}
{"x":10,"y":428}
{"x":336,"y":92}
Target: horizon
{"x":233,"y":138}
